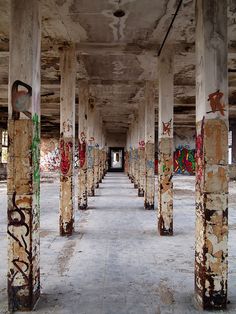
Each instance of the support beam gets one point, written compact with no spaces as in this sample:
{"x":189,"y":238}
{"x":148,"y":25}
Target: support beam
{"x":165,"y":145}
{"x":149,"y":144}
{"x":83,"y":134}
{"x":67,"y":139}
{"x":211,"y":251}
{"x":90,"y":151}
{"x":23,"y":156}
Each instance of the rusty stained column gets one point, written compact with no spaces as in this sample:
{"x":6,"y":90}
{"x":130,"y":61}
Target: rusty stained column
{"x":67,"y":139}
{"x":90,"y":150}
{"x":103,"y":152}
{"x":149,"y":144}
{"x":1,"y":145}
{"x":23,"y":186}
{"x":128,"y":151}
{"x":100,"y":148}
{"x":211,"y":251}
{"x":132,"y":152}
{"x":165,"y":145}
{"x":141,"y":150}
{"x":83,"y":134}
{"x":136,"y":161}
{"x":96,"y":151}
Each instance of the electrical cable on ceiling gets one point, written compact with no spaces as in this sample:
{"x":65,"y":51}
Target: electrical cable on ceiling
{"x":171,"y":24}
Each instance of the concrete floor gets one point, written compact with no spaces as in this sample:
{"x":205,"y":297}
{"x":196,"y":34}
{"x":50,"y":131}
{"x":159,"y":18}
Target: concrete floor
{"x":115,"y":262}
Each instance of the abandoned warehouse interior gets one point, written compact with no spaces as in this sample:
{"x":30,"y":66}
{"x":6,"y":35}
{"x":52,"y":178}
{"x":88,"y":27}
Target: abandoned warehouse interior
{"x":117,"y":156}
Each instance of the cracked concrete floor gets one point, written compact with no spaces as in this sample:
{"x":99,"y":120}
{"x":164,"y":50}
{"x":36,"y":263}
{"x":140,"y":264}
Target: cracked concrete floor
{"x":115,"y":262}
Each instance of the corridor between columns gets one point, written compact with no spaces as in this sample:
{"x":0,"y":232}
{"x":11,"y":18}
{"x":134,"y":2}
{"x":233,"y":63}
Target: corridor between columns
{"x":114,"y":262}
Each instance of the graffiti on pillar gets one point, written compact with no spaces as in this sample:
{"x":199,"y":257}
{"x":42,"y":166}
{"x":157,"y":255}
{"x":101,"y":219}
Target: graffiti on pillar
{"x":215,"y":102}
{"x":165,"y":208}
{"x":82,"y":153}
{"x":184,"y":160}
{"x":65,"y":153}
{"x":142,"y":144}
{"x":67,"y":126}
{"x":18,"y":218}
{"x":20,"y":98}
{"x":166,"y":128}
{"x":91,"y":140}
{"x":36,"y":149}
{"x":199,"y":157}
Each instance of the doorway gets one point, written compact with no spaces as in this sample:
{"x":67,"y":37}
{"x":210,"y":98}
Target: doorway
{"x":116,"y":159}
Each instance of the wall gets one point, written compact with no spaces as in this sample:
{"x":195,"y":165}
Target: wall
{"x":116,"y":139}
{"x":49,"y":155}
{"x":184,"y":150}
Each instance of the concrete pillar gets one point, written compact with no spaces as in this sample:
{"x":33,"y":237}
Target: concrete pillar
{"x":135,"y":152}
{"x":67,"y":139}
{"x":96,"y":150}
{"x":90,"y":151}
{"x":23,"y":156}
{"x":211,"y":251}
{"x":1,"y":146}
{"x":165,"y":138}
{"x":128,"y":150}
{"x":149,"y":144}
{"x":100,"y":149}
{"x":83,"y":134}
{"x":141,"y":150}
{"x":103,"y":152}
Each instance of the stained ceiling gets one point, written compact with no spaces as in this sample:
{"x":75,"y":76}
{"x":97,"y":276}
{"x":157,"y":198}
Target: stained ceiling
{"x":116,"y":55}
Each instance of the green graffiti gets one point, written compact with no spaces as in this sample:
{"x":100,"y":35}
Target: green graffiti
{"x":36,"y":158}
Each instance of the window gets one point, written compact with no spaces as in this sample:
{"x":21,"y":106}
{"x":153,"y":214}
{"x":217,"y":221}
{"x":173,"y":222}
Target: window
{"x":4,"y":146}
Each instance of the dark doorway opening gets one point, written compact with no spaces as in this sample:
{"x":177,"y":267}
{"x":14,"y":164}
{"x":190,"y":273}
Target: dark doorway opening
{"x":116,"y":159}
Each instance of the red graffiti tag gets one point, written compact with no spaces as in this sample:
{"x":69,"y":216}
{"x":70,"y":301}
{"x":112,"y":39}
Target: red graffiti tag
{"x":65,"y":152}
{"x":199,"y":156}
{"x":82,"y":153}
{"x":166,"y":127}
{"x":215,"y":102}
{"x":141,"y":144}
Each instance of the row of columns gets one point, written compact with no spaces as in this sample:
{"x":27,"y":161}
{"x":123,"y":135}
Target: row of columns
{"x":24,"y":151}
{"x":211,"y":249}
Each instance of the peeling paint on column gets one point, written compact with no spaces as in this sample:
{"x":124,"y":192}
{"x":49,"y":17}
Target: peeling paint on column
{"x":136,"y":169}
{"x":150,"y":179}
{"x":104,"y":162}
{"x":96,"y":166}
{"x":211,"y":214}
{"x":132,"y":165}
{"x":90,"y":166}
{"x":165,"y":187}
{"x":66,"y":219}
{"x":100,"y":165}
{"x":82,"y":174}
{"x":165,"y":144}
{"x":142,"y":169}
{"x":23,"y":214}
{"x":211,"y":246}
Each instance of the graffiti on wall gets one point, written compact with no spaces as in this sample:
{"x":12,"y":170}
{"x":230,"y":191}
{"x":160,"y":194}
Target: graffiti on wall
{"x":184,"y":160}
{"x":50,"y":155}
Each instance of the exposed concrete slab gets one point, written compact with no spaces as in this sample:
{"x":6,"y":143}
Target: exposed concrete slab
{"x":116,"y":262}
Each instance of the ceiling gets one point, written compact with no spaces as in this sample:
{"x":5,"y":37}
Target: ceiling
{"x":116,"y":56}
